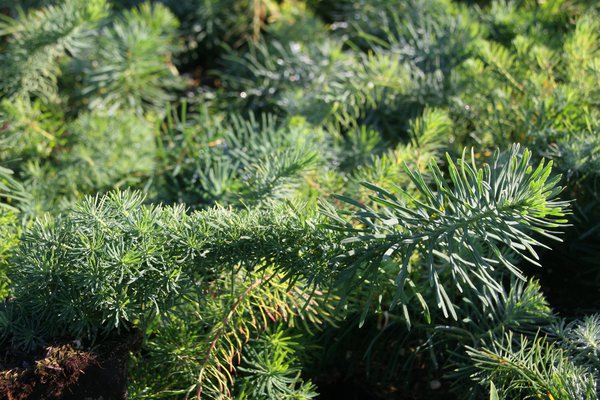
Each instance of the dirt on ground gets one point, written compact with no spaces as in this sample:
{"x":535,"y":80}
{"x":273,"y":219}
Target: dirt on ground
{"x":65,"y":371}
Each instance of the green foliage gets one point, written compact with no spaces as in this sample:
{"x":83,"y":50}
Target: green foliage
{"x":129,"y":65}
{"x":241,"y":116}
{"x":581,"y":339}
{"x":253,"y":239}
{"x":9,"y":231}
{"x":427,"y":134}
{"x":29,"y":130}
{"x":200,"y":355}
{"x":38,"y":40}
{"x":241,"y":161}
{"x":533,"y":368}
{"x":549,"y":359}
{"x":208,"y":24}
{"x":109,"y":151}
{"x":259,"y":77}
{"x":13,"y":196}
{"x":104,"y":152}
{"x":130,"y":258}
{"x":523,"y":309}
{"x":123,"y":62}
{"x":123,"y":256}
{"x":270,"y":370}
{"x":262,"y":301}
{"x":12,"y":192}
{"x":430,"y":36}
{"x":457,"y":230}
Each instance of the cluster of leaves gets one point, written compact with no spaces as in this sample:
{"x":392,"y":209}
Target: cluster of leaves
{"x":281,"y":193}
{"x":81,"y":88}
{"x":242,"y":161}
{"x":251,"y":312}
{"x":133,"y":260}
{"x":456,"y":230}
{"x":123,"y":256}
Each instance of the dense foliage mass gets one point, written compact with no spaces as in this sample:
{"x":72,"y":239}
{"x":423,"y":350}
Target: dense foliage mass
{"x":296,"y":199}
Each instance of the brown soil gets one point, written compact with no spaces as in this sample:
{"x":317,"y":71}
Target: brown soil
{"x":65,"y":372}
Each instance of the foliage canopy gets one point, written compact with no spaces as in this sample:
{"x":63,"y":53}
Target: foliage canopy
{"x":274,"y":190}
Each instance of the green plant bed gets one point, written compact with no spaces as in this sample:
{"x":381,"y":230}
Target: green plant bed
{"x":300,"y":199}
